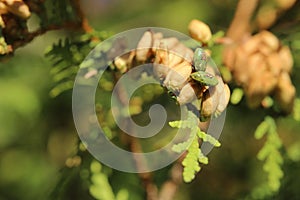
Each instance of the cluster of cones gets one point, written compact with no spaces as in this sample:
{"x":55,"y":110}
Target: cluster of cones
{"x":262,"y":66}
{"x":270,"y":11}
{"x":173,"y":66}
{"x":10,"y":12}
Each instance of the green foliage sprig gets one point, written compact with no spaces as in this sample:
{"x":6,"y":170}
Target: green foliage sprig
{"x":270,"y":154}
{"x":296,"y":111}
{"x":4,"y":48}
{"x":100,"y":188}
{"x":59,"y":12}
{"x":194,"y":156}
{"x":67,"y":55}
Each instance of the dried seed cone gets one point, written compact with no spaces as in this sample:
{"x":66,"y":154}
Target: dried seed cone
{"x":285,"y":93}
{"x":286,"y":57}
{"x":266,"y":16}
{"x":177,"y":76}
{"x":143,"y":46}
{"x":200,"y":31}
{"x":10,"y":13}
{"x":259,"y":64}
{"x":224,"y":97}
{"x":17,"y":7}
{"x":215,"y":100}
{"x":269,"y":11}
{"x":209,"y":104}
{"x":172,"y":66}
{"x":174,"y":59}
{"x":169,"y":43}
{"x":285,"y":4}
{"x":3,"y":8}
{"x":187,"y":94}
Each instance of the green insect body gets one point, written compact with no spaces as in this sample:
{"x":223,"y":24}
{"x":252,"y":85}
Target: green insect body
{"x":205,"y":78}
{"x":200,"y":60}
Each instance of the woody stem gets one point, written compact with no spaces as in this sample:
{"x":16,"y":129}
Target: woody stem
{"x":240,"y":24}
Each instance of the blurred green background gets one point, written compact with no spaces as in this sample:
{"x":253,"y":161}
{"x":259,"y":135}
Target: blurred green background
{"x":37,"y":133}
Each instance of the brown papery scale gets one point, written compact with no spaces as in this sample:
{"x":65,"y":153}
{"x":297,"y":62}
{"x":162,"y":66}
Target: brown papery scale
{"x":172,"y":67}
{"x":258,"y":64}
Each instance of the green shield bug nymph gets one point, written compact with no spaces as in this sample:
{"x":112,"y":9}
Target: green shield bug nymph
{"x":205,"y":78}
{"x":200,"y":60}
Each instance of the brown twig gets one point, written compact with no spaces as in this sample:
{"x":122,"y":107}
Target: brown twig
{"x":135,"y":146}
{"x":70,"y":25}
{"x":169,"y":188}
{"x":146,"y":178}
{"x":82,"y":17}
{"x":240,"y":24}
{"x":29,"y":36}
